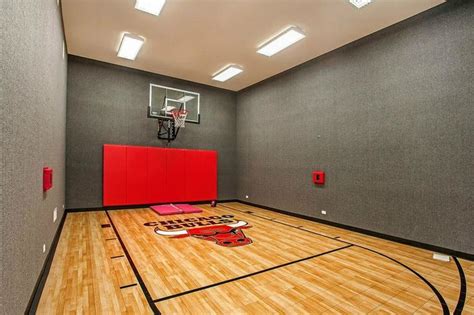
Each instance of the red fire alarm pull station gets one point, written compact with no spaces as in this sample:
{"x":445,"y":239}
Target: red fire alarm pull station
{"x":47,"y":178}
{"x":318,"y":177}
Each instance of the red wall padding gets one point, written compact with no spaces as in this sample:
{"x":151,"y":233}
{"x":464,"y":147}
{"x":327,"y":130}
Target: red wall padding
{"x":115,"y":178}
{"x":136,"y":170}
{"x":201,"y":175}
{"x":144,"y":175}
{"x":156,"y":184}
{"x":176,"y":165}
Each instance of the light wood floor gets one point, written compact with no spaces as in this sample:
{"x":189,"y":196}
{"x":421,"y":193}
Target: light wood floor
{"x":110,"y":262}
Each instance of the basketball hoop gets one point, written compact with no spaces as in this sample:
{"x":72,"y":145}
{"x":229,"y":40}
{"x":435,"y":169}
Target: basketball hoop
{"x":179,"y":117}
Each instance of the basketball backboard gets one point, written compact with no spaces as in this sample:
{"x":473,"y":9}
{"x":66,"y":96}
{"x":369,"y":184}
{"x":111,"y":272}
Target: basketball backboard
{"x":163,"y":100}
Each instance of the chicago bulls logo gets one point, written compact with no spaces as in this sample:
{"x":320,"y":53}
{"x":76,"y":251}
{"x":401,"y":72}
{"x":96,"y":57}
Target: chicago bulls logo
{"x":209,"y":229}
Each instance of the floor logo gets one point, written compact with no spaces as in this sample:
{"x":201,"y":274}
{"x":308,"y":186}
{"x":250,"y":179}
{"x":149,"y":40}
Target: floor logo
{"x":223,"y":230}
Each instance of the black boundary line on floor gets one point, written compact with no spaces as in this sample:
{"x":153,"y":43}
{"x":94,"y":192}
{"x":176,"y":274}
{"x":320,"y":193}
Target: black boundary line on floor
{"x":462,"y":291}
{"x":397,"y":239}
{"x":119,"y":256}
{"x":302,"y":228}
{"x":128,"y":286}
{"x":134,"y":268}
{"x":286,"y":224}
{"x":432,"y":287}
{"x":258,"y":216}
{"x":248,"y":275}
{"x":38,"y":290}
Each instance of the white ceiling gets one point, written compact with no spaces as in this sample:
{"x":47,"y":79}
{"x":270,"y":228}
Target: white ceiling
{"x":193,"y":39}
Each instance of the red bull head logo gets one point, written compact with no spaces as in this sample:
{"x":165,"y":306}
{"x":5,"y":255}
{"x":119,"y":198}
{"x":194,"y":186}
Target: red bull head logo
{"x":223,"y":231}
{"x":230,"y":235}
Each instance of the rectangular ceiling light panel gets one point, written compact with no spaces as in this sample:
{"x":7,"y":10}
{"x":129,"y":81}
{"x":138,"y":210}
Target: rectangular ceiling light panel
{"x":282,"y":41}
{"x":150,"y":6}
{"x":227,"y":73}
{"x":130,"y":46}
{"x":360,"y":3}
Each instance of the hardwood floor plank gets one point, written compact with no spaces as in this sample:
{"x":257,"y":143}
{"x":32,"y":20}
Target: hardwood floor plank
{"x":82,"y":278}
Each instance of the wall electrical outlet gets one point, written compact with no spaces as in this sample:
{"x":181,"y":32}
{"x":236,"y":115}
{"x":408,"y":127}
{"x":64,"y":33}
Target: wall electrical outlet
{"x":55,"y":214}
{"x":323,"y":212}
{"x":44,"y":248}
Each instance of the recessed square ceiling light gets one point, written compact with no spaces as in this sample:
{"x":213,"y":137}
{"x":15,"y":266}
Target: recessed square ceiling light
{"x":130,"y":46}
{"x":150,"y":6}
{"x":227,"y":73}
{"x":287,"y":38}
{"x":360,"y":3}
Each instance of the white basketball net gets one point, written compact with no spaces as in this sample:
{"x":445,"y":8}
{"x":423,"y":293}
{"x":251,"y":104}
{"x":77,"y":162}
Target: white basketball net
{"x":179,"y":117}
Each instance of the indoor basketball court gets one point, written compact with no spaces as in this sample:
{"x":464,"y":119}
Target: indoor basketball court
{"x":270,"y":263}
{"x":237,"y":157}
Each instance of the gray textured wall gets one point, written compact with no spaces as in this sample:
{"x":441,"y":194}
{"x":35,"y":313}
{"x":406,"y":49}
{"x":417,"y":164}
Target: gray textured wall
{"x":33,"y":123}
{"x":108,"y":104}
{"x":390,"y":119}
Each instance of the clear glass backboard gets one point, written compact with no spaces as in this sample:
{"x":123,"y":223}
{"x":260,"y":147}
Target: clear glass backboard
{"x":164,"y":100}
